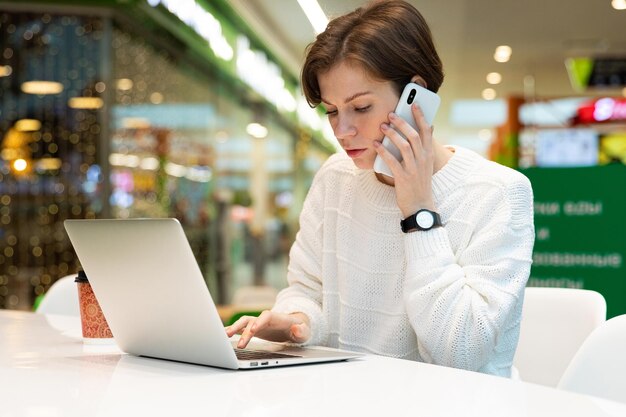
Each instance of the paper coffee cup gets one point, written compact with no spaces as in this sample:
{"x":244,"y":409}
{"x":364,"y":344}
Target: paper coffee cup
{"x":94,"y":325}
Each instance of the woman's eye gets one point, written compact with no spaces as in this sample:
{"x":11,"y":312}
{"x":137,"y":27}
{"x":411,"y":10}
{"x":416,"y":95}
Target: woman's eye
{"x":331,"y":112}
{"x":362,"y":109}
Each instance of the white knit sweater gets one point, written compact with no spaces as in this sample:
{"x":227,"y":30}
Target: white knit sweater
{"x":450,"y":296}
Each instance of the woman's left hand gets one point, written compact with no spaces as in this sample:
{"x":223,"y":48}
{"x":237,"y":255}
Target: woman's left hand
{"x":412,"y":176}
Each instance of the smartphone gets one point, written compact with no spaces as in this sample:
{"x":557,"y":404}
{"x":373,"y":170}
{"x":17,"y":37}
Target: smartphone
{"x":428,"y":102}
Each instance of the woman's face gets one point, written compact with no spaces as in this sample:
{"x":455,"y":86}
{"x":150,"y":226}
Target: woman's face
{"x":357,"y":105}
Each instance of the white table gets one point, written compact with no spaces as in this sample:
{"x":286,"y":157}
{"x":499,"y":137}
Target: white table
{"x":47,"y":371}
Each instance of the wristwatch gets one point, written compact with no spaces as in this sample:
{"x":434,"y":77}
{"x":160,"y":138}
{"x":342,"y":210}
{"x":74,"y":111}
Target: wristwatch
{"x":423,"y":220}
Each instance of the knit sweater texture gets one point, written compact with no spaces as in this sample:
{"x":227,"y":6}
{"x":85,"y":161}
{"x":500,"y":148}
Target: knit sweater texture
{"x":450,"y":296}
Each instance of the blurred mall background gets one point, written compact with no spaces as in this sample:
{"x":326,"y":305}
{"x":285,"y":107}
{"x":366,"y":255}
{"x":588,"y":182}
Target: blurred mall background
{"x":192,"y":109}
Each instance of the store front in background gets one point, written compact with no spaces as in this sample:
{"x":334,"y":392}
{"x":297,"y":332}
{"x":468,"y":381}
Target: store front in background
{"x":577,"y":166}
{"x":99,"y":121}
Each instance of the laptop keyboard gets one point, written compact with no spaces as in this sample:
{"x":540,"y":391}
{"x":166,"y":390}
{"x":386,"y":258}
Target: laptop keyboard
{"x":245,"y":354}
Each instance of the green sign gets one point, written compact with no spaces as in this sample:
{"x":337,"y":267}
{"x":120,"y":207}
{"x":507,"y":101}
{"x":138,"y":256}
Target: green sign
{"x":599,"y":72}
{"x":580,"y":230}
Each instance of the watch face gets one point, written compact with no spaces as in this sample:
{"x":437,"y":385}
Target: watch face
{"x":425,"y":219}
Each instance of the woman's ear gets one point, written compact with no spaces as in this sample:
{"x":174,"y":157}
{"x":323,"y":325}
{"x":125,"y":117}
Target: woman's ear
{"x":419,"y":81}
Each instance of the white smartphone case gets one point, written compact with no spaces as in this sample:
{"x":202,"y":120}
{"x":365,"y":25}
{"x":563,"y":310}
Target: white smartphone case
{"x":428,"y":102}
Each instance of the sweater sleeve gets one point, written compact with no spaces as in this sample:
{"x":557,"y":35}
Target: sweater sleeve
{"x":460,"y":303}
{"x":304,"y":291}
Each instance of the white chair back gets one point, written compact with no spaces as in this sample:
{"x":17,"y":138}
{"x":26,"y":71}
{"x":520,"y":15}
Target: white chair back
{"x":61,"y":298}
{"x":599,"y":366}
{"x":555,"y":322}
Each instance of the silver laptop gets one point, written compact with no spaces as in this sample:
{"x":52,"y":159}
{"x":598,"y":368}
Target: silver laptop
{"x":156,"y":301}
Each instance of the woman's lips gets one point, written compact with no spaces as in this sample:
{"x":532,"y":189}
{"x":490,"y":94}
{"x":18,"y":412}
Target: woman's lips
{"x":355,"y":153}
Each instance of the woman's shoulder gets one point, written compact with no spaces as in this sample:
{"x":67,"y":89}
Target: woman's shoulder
{"x":488,"y":171}
{"x":484,"y":183}
{"x":492,"y":192}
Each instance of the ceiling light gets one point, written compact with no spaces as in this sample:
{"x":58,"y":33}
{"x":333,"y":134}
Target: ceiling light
{"x":149,"y":163}
{"x":156,"y":98}
{"x":20,"y":165}
{"x":503,"y":53}
{"x":85,"y":102}
{"x":124,"y":160}
{"x":27,"y":125}
{"x":135,"y":123}
{"x":131,"y":161}
{"x":42,"y":87}
{"x":100,"y":87}
{"x":315,"y":14}
{"x":175,"y":170}
{"x":257,"y":130}
{"x":49,"y":164}
{"x":116,"y":159}
{"x":124,"y":84}
{"x":494,"y":78}
{"x":489,"y":93}
{"x":199,"y":174}
{"x":5,"y":70}
{"x":619,"y":4}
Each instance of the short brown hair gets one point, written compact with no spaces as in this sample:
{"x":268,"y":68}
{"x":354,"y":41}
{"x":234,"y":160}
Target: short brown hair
{"x":391,"y":39}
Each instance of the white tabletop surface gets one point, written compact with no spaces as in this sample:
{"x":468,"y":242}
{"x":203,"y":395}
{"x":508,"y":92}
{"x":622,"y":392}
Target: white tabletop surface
{"x":47,"y":371}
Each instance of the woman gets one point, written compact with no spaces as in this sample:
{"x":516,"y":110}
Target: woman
{"x":449,"y":292}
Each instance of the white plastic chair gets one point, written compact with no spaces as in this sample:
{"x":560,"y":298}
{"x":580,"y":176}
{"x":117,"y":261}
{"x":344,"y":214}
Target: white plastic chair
{"x":599,"y":366}
{"x":555,"y":323}
{"x":61,"y":298}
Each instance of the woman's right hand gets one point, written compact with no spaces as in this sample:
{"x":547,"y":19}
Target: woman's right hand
{"x":275,"y":327}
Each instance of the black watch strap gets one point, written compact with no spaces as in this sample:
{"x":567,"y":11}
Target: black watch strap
{"x":423,"y":220}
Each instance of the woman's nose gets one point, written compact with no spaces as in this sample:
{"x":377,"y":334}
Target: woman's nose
{"x":344,"y":128}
